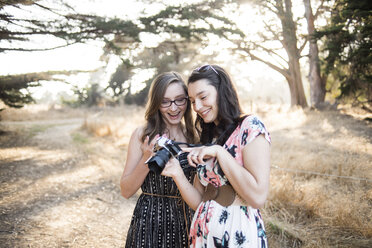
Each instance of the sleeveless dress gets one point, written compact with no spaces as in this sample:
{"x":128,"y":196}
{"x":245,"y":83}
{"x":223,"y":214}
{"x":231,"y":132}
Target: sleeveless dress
{"x":162,"y":219}
{"x":214,"y":225}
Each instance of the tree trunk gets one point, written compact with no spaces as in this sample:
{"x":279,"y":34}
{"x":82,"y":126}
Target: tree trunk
{"x":298,"y":97}
{"x":317,"y":84}
{"x":290,"y":44}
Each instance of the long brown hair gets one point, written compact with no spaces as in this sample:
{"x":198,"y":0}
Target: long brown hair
{"x":229,"y":110}
{"x":154,"y":120}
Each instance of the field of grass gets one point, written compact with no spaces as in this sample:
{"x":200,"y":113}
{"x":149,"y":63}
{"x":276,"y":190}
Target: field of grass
{"x":321,"y":176}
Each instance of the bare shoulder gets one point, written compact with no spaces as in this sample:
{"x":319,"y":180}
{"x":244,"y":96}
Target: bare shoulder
{"x":137,"y":134}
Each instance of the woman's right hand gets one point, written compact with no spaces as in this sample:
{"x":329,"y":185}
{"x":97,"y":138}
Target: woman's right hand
{"x":148,"y":147}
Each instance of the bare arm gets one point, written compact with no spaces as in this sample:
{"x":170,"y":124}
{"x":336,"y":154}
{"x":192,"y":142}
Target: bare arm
{"x":251,"y":182}
{"x":135,"y":170}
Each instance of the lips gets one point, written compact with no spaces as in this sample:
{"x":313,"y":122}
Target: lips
{"x":174,"y":116}
{"x":204,"y":113}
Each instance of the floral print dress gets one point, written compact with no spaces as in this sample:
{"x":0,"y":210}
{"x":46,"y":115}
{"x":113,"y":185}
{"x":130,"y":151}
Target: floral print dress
{"x":214,"y":225}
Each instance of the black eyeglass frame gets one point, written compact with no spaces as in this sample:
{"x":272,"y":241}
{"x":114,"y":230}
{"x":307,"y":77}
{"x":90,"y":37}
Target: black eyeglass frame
{"x":169,"y":103}
{"x":205,"y":68}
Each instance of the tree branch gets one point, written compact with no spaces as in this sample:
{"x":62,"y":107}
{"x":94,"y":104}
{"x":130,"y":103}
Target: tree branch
{"x":2,"y":49}
{"x":282,"y":71}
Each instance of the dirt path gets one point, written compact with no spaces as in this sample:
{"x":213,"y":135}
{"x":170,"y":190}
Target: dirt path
{"x":59,"y":187}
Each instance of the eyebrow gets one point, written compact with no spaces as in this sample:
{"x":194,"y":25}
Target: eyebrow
{"x":201,"y":92}
{"x":198,"y":94}
{"x":181,"y":95}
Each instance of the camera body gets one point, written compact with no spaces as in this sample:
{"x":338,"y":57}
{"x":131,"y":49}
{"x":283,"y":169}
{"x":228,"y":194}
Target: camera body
{"x":164,"y":149}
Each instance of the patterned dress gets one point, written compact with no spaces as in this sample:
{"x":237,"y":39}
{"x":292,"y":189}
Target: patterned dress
{"x":161,"y":220}
{"x":214,"y":225}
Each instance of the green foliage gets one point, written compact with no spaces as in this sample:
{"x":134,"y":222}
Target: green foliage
{"x":348,"y":45}
{"x":16,"y":98}
{"x":139,"y":98}
{"x":35,"y":129}
{"x":14,"y":90}
{"x":180,"y":23}
{"x":116,"y":85}
{"x":79,"y":138}
{"x":89,"y":96}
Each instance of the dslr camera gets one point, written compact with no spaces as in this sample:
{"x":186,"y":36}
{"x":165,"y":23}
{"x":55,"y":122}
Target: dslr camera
{"x":164,"y":149}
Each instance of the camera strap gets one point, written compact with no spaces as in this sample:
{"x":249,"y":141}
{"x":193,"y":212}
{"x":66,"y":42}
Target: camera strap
{"x":228,"y":131}
{"x":187,"y":144}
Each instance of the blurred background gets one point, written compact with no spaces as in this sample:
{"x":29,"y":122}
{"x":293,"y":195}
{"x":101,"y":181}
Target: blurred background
{"x":74,"y":79}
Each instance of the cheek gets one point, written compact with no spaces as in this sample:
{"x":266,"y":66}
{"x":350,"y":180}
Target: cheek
{"x":183,"y":108}
{"x":162,"y":111}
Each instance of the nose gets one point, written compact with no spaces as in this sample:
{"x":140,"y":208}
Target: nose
{"x":197,"y":105}
{"x":173,"y":106}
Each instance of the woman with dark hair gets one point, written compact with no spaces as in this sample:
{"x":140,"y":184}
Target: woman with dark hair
{"x":233,"y":166}
{"x":160,"y":218}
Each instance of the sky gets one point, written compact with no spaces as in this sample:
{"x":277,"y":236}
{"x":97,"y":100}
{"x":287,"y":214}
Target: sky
{"x":249,"y":76}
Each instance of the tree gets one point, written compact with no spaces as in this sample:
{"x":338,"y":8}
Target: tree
{"x":348,"y":45}
{"x":14,"y":89}
{"x":181,"y":22}
{"x":286,"y":34}
{"x":196,"y":21}
{"x":317,"y":82}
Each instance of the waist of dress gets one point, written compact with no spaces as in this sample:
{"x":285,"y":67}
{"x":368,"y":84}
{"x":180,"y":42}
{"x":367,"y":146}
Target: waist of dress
{"x":224,"y":195}
{"x":159,"y":195}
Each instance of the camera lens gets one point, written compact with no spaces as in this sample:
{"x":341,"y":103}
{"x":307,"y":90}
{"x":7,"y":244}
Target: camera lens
{"x":157,"y":163}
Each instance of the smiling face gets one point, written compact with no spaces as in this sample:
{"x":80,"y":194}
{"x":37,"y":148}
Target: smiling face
{"x":203,"y":97}
{"x":173,"y":114}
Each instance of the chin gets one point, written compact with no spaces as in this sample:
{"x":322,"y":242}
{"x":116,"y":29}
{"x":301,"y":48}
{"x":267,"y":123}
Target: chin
{"x":207,"y":121}
{"x":173,"y":122}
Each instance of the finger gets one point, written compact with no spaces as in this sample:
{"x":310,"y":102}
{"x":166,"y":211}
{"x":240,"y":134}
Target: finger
{"x":200,"y":158}
{"x":195,"y":159}
{"x":155,"y":138}
{"x":146,"y":141}
{"x":153,"y":141}
{"x":190,"y":159}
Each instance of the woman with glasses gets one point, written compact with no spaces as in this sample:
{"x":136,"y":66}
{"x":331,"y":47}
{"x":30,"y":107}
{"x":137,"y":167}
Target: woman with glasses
{"x":233,"y":167}
{"x":160,"y":218}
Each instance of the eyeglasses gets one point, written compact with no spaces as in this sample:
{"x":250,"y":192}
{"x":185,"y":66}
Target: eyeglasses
{"x":205,"y":68}
{"x":178,"y":102}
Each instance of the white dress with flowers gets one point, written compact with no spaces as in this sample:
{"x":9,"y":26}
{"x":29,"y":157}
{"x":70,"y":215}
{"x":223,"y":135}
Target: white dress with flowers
{"x":214,"y":225}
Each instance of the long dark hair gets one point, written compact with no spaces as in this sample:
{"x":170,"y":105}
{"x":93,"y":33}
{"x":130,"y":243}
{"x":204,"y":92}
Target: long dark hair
{"x":154,"y":120}
{"x":229,"y":111}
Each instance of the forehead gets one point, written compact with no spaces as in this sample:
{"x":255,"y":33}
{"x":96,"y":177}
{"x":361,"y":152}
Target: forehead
{"x":174,"y":90}
{"x":199,"y":87}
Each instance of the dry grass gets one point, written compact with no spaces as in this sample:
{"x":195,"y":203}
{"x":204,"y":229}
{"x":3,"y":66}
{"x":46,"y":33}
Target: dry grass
{"x":118,"y":123}
{"x":41,"y":112}
{"x":303,"y":209}
{"x":310,"y":210}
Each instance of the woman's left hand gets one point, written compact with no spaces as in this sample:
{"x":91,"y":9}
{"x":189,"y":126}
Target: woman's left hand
{"x":198,"y":155}
{"x":172,"y":168}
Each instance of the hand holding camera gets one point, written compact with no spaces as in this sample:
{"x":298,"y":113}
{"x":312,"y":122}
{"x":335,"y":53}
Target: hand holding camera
{"x":164,"y":150}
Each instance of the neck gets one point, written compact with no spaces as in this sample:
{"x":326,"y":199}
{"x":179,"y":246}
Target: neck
{"x":175,"y":132}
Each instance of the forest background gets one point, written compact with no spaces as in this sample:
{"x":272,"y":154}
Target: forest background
{"x":74,"y":78}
